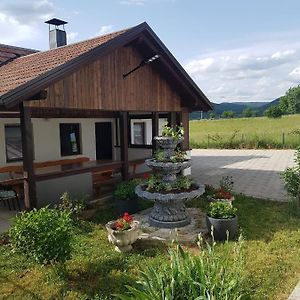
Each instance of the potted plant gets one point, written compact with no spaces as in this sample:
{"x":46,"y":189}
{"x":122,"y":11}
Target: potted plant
{"x":224,"y":192}
{"x":125,"y":197}
{"x":123,"y":232}
{"x":222,"y":218}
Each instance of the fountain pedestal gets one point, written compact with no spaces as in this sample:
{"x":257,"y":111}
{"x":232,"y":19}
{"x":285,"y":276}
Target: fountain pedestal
{"x":169,"y":210}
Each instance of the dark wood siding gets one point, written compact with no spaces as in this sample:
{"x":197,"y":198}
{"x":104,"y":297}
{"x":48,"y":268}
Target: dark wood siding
{"x":100,"y":85}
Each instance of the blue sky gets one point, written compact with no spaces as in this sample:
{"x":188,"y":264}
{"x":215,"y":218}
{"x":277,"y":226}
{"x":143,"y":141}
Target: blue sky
{"x":234,"y":50}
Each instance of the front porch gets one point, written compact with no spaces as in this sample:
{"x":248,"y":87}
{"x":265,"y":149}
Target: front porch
{"x":42,"y":182}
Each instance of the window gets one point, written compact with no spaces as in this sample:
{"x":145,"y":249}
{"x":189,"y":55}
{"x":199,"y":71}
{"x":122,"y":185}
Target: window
{"x":69,"y":139}
{"x":138,"y":133}
{"x":13,"y":143}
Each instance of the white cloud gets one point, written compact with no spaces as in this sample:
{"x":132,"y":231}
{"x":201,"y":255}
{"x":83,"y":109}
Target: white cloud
{"x":20,"y":21}
{"x":105,"y":29}
{"x":260,"y":72}
{"x":134,"y":2}
{"x":72,"y":37}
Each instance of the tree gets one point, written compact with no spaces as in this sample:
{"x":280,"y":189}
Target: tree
{"x":290,"y":102}
{"x":212,"y":115}
{"x":273,"y":112}
{"x":247,"y":112}
{"x":227,"y":114}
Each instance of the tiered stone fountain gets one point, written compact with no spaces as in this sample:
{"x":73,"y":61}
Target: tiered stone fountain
{"x":169,"y":210}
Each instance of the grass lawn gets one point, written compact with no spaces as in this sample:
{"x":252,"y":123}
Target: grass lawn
{"x":260,"y":132}
{"x":96,"y":271}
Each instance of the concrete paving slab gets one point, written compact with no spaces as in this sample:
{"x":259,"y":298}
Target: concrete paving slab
{"x":255,"y":172}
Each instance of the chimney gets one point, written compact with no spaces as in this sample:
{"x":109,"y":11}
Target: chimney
{"x":57,"y":35}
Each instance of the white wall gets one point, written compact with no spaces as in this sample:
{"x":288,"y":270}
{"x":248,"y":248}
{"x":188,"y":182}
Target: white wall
{"x":47,"y":140}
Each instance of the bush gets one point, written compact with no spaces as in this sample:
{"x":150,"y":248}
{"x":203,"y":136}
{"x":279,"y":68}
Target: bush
{"x":273,"y":112}
{"x":44,"y":235}
{"x":126,"y":189}
{"x":188,"y":276}
{"x":73,"y":207}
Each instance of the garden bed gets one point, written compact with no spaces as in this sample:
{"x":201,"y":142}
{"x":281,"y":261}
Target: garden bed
{"x":96,"y":271}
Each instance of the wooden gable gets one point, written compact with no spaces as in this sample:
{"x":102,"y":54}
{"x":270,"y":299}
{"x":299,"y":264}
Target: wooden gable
{"x":100,"y":85}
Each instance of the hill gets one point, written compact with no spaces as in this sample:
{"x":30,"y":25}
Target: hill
{"x":237,"y":107}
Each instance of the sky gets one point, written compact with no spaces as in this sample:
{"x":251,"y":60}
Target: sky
{"x":235,"y":50}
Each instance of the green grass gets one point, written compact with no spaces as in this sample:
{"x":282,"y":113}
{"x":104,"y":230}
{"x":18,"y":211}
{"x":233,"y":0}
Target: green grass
{"x":260,"y":132}
{"x":96,"y":271}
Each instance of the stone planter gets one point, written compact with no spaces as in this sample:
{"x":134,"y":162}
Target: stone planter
{"x":123,"y":239}
{"x":168,"y":144}
{"x":221,"y":226}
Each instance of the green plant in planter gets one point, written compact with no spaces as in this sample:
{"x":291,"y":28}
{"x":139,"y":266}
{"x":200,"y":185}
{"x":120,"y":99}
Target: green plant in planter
{"x":221,"y":210}
{"x":126,"y":189}
{"x":154,"y":183}
{"x":159,"y":155}
{"x":183,"y":183}
{"x":179,"y":156}
{"x":176,"y":132}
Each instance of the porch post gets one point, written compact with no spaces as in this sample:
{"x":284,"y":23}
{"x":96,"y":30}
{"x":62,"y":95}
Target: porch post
{"x":155,"y":126}
{"x":179,"y":122}
{"x":124,"y":144}
{"x":30,"y":199}
{"x":172,"y":118}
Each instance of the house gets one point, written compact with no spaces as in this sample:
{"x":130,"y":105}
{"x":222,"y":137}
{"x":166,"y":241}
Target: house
{"x":102,"y":99}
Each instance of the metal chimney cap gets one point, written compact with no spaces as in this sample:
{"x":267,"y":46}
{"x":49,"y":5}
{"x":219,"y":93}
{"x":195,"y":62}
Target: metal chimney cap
{"x":56,"y":22}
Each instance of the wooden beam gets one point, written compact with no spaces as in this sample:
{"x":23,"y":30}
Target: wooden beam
{"x":30,"y":199}
{"x":185,"y":123}
{"x":39,"y":112}
{"x":124,"y":144}
{"x":155,"y":128}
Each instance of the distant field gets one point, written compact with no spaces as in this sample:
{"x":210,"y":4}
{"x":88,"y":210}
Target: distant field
{"x":258,"y":132}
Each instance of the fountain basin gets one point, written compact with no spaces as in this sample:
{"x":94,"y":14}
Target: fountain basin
{"x":169,"y":210}
{"x":167,"y":169}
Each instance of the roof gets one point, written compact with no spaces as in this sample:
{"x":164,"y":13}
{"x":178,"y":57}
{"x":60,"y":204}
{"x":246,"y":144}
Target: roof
{"x":26,"y":76}
{"x":22,"y":70}
{"x":56,"y":22}
{"x":9,"y":53}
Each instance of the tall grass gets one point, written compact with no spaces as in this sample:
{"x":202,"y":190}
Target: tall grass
{"x":205,"y":276}
{"x":257,"y":133}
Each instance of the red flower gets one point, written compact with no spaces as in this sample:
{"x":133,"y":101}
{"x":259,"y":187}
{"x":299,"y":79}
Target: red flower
{"x":146,"y":176}
{"x":124,"y":222}
{"x":223,"y":194}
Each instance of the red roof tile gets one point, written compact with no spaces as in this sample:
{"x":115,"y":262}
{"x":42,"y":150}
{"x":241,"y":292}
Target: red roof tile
{"x":8,"y":53}
{"x":23,"y":69}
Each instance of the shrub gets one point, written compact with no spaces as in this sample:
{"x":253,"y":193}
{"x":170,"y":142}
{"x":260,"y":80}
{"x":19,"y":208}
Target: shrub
{"x":126,"y":189}
{"x":44,"y":235}
{"x":291,"y":178}
{"x":74,"y":207}
{"x":221,"y":210}
{"x":273,"y":112}
{"x":204,"y":276}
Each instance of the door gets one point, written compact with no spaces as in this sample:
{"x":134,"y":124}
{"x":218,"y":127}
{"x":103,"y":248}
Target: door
{"x":103,"y":132}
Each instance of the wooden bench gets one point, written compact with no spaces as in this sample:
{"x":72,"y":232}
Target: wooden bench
{"x":134,"y":164}
{"x":61,"y":162}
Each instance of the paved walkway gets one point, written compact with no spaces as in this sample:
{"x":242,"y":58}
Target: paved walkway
{"x":5,"y":218}
{"x":255,"y":172}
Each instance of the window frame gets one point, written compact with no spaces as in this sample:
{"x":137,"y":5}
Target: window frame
{"x":5,"y":137}
{"x":78,"y":139}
